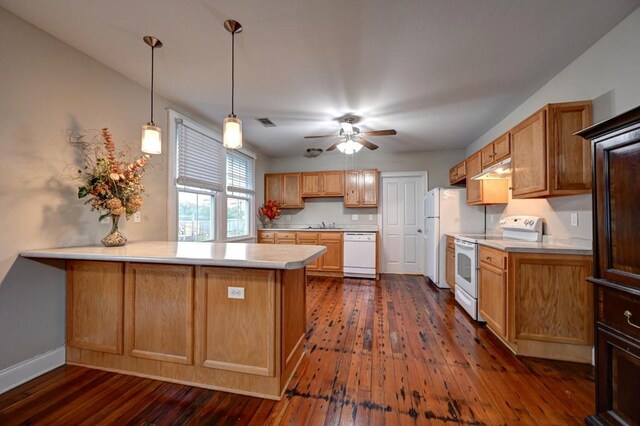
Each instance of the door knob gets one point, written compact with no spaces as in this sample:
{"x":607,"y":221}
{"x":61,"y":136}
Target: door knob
{"x":419,"y":230}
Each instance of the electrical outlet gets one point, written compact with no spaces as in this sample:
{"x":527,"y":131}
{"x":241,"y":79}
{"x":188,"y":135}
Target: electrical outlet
{"x":354,"y":217}
{"x":137,"y":217}
{"x":574,"y":219}
{"x":370,"y":217}
{"x":235,"y":292}
{"x":288,"y":217}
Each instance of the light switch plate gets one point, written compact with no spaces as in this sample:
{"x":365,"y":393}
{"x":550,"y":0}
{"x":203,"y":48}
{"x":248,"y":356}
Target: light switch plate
{"x":354,"y":217}
{"x":370,"y":217}
{"x":288,"y":217}
{"x":574,"y":219}
{"x":235,"y":292}
{"x":137,"y":217}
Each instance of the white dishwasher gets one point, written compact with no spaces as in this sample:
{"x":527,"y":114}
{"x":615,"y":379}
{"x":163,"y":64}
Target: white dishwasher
{"x":360,"y":254}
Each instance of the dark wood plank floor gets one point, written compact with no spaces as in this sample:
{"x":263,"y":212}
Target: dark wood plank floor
{"x":394,"y":352}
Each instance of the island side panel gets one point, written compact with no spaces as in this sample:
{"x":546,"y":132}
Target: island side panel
{"x":294,"y":326}
{"x":237,"y":334}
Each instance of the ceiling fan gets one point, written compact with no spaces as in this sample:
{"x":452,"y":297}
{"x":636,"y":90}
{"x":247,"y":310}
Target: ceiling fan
{"x":351,"y":138}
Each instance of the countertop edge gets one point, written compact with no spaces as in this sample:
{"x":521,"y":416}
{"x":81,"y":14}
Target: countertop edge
{"x":548,"y":250}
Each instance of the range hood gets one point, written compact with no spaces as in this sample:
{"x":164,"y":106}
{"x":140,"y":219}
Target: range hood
{"x":501,"y":170}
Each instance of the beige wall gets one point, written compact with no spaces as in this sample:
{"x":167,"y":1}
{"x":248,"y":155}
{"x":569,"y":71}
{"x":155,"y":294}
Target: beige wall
{"x":47,"y":88}
{"x":436,"y":163}
{"x":607,"y":73}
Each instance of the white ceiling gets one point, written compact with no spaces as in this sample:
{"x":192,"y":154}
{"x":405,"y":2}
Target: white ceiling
{"x":441,"y":72}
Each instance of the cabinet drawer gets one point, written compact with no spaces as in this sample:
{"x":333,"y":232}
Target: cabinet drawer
{"x":493,"y":257}
{"x":285,"y":235}
{"x":619,"y":311}
{"x":330,"y":236}
{"x":266,"y":235}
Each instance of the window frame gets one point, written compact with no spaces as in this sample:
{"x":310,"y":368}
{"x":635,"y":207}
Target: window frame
{"x":219,"y":197}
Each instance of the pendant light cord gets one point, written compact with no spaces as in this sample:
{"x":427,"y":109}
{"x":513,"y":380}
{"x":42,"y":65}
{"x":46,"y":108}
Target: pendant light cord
{"x":152,"y":49}
{"x":233,"y":70}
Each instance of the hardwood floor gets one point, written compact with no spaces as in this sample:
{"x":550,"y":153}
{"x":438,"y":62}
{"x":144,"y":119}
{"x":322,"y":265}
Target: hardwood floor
{"x":395,"y":352}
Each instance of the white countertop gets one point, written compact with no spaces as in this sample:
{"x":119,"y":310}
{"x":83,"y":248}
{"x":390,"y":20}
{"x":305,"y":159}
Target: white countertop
{"x":338,"y":228}
{"x":548,"y":244}
{"x":240,"y":255}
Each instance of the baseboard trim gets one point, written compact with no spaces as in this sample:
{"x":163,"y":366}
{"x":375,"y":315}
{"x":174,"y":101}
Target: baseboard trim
{"x":23,"y":372}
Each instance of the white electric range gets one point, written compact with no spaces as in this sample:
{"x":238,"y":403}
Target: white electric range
{"x":522,"y":228}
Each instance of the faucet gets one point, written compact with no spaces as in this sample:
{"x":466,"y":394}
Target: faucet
{"x":323,"y":225}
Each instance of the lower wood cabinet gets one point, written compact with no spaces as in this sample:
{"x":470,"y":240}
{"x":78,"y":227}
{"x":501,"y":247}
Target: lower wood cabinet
{"x":450,"y":264}
{"x":492,"y":286}
{"x":329,"y":264}
{"x":539,"y":304}
{"x":177,"y":323}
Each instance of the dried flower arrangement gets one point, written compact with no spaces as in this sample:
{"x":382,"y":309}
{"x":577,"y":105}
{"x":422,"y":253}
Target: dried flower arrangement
{"x":111,"y":180}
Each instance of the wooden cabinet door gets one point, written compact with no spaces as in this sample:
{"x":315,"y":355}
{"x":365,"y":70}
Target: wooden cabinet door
{"x":461,"y":170}
{"x":311,"y":184}
{"x":450,"y":270}
{"x":453,"y":174}
{"x":332,"y":259}
{"x":95,"y":311}
{"x":273,"y":187}
{"x":333,"y":183}
{"x":501,"y":148}
{"x":474,"y":187}
{"x":529,"y":155}
{"x":159,"y":306}
{"x":351,"y":189}
{"x":368,"y":185}
{"x":618,"y":208}
{"x":310,"y":238}
{"x":570,"y":154}
{"x":487,"y":154}
{"x":292,"y":190}
{"x":492,"y":298}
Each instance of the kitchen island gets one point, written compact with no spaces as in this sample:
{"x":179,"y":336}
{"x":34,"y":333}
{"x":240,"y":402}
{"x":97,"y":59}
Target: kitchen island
{"x":229,"y":316}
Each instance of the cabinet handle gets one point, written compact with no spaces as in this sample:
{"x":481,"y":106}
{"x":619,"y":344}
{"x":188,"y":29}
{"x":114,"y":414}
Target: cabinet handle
{"x":488,"y":258}
{"x":629,"y":315}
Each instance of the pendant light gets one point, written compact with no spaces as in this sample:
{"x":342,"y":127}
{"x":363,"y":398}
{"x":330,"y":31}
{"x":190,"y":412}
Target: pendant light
{"x":151,"y":134}
{"x":232,"y":126}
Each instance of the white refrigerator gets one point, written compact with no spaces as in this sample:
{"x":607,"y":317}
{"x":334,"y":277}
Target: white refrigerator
{"x":447,"y":212}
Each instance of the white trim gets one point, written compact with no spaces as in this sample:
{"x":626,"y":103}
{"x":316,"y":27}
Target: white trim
{"x":23,"y":372}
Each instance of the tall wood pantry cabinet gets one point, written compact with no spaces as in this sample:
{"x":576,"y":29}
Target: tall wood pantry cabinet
{"x":616,"y":274}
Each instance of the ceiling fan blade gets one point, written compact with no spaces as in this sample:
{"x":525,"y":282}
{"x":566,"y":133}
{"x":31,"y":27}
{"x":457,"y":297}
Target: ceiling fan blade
{"x":332,"y":147}
{"x":322,"y":136}
{"x":389,"y":132}
{"x":367,"y":144}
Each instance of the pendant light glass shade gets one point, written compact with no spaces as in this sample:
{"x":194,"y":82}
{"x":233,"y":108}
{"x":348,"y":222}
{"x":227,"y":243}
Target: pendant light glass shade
{"x":151,"y":134}
{"x":232,"y":126}
{"x":232,"y":132}
{"x":151,"y":139}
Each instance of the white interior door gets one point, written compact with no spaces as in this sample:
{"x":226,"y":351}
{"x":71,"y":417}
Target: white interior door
{"x":402,"y":241}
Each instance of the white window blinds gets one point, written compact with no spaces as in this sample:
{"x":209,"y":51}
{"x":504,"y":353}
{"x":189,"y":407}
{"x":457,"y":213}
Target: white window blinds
{"x":240,"y":171}
{"x":200,"y":158}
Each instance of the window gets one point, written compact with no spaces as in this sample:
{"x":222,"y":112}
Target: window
{"x":211,"y":189}
{"x":240,"y":171}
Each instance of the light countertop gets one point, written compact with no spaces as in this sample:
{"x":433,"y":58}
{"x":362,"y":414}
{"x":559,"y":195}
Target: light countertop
{"x":548,"y":244}
{"x":240,"y":255}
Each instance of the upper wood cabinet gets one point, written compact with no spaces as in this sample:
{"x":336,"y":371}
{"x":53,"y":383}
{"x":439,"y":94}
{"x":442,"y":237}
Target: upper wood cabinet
{"x":484,"y":191}
{"x":547,"y":159}
{"x":496,"y":151}
{"x":458,"y":173}
{"x":285,"y":188}
{"x":361,"y":188}
{"x":323,"y":184}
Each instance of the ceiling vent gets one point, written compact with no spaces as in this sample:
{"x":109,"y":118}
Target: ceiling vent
{"x":266,"y":122}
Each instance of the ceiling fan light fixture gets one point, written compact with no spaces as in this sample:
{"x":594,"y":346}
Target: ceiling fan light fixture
{"x":349,"y":147}
{"x":347,"y":127}
{"x":232,"y":126}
